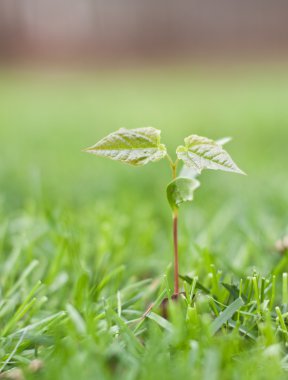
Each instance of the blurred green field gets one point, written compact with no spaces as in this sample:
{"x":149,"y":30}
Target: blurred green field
{"x":88,"y":227}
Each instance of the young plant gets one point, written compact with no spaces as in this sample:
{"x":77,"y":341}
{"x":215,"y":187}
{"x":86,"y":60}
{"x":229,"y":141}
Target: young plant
{"x":140,"y":146}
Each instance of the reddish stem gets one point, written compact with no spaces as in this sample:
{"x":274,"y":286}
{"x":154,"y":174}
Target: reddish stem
{"x":175,"y":243}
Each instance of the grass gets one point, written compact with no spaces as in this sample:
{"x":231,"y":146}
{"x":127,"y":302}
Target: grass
{"x":85,"y":244}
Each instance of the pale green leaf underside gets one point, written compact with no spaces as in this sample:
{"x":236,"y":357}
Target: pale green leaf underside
{"x":188,"y":172}
{"x":135,"y":147}
{"x":223,"y":140}
{"x":181,"y":190}
{"x":203,"y":153}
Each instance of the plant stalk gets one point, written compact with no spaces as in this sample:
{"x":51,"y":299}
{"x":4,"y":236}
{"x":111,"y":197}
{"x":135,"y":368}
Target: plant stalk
{"x":174,"y":174}
{"x":175,"y":244}
{"x":175,"y":237}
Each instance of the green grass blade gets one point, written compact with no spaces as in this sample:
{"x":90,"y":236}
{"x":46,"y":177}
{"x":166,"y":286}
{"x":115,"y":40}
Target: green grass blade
{"x":226,"y":315}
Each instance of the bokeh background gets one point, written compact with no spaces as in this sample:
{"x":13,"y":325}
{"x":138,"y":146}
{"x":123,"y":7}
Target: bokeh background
{"x":73,"y":71}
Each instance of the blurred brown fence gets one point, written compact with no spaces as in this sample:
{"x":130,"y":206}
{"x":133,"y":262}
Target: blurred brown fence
{"x":119,"y":28}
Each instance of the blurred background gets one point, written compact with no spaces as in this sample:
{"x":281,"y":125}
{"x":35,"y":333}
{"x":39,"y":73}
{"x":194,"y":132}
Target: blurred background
{"x":73,"y":71}
{"x":117,"y":30}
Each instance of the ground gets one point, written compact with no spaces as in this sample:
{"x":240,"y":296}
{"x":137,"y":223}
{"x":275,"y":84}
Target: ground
{"x":86,"y":243}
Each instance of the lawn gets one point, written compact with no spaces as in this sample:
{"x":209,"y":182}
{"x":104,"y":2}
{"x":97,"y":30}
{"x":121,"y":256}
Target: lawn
{"x":85,"y":242}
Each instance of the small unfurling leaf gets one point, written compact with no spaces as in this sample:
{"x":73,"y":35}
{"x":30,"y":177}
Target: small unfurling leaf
{"x":181,"y":190}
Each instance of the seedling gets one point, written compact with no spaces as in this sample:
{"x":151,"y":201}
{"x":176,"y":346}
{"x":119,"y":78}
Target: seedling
{"x":138,"y":147}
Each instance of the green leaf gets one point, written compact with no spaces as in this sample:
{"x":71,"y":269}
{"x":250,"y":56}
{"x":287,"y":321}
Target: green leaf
{"x":244,"y":330}
{"x":135,"y":147}
{"x":181,"y":190}
{"x":199,"y":286}
{"x":160,"y":321}
{"x":234,"y":291}
{"x":226,"y":315}
{"x":128,"y":335}
{"x":202,"y":153}
{"x":191,"y":172}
